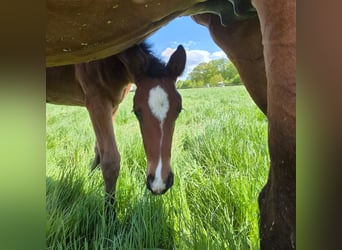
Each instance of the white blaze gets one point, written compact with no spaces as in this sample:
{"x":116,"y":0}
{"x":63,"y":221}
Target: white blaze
{"x":158,"y":184}
{"x":158,"y":102}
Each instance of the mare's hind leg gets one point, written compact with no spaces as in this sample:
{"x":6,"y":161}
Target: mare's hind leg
{"x":100,"y":110}
{"x":97,"y":159}
{"x":275,"y":95}
{"x":278,"y":199}
{"x":241,"y":42}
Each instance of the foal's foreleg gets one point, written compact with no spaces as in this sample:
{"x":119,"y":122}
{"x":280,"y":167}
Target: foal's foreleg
{"x":100,"y":110}
{"x":96,"y":160}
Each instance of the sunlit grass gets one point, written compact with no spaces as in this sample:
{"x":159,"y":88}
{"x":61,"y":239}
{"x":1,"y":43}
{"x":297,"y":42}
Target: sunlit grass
{"x":219,"y":158}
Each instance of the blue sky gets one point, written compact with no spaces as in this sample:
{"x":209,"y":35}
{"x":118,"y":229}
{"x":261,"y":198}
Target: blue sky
{"x":194,"y":37}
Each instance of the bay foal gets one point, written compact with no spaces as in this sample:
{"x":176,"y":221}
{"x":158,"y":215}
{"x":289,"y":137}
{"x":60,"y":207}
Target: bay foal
{"x":101,"y":85}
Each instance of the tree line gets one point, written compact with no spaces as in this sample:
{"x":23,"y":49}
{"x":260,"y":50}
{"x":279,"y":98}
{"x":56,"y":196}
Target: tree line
{"x":211,"y":74}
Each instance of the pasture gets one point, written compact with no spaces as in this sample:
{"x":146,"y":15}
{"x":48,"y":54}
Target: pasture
{"x":219,"y":158}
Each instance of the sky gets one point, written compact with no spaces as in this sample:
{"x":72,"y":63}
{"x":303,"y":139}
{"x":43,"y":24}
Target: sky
{"x":194,"y":37}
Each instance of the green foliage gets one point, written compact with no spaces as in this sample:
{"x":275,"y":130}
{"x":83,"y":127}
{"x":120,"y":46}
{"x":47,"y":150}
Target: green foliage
{"x":220,"y":70}
{"x":200,"y":74}
{"x":232,"y":76}
{"x":219,"y":158}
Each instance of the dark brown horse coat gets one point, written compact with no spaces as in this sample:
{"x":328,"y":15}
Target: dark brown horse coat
{"x":263,"y":50}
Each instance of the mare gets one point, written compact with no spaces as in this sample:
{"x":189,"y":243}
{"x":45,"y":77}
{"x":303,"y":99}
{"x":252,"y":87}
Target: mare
{"x":101,"y":85}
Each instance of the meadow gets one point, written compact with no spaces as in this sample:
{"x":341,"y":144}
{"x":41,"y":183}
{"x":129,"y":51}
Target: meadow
{"x":219,"y":159}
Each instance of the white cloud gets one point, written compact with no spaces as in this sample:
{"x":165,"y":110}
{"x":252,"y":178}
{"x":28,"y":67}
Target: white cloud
{"x":193,"y":58}
{"x":186,"y":45}
{"x":218,"y":55}
{"x":167,"y":53}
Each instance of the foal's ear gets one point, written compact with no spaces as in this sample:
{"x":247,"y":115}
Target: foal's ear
{"x":176,"y":64}
{"x":135,"y":61}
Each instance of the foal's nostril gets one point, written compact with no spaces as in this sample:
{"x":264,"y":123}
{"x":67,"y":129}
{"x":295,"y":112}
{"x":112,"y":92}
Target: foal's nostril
{"x":149,"y":181}
{"x":169,"y":181}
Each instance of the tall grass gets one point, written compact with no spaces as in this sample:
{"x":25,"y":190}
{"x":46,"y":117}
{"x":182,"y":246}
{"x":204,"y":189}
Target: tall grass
{"x":219,"y":158}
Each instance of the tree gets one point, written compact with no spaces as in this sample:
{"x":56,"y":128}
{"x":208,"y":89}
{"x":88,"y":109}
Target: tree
{"x":185,"y":84}
{"x":216,"y":78}
{"x":220,"y":70}
{"x":199,"y":75}
{"x":231,"y":74}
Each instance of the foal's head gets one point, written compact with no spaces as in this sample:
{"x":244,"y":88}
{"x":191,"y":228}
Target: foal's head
{"x":156,"y":105}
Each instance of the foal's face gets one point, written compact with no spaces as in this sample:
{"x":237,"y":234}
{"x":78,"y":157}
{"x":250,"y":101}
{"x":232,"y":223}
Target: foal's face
{"x":157,"y":105}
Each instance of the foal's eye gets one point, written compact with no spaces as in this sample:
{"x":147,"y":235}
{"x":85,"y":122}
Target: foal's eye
{"x":138,"y":114}
{"x":180,"y":106}
{"x":179,"y":109}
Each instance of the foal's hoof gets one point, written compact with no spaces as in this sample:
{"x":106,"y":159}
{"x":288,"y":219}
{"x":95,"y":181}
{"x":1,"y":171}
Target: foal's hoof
{"x":109,"y":206}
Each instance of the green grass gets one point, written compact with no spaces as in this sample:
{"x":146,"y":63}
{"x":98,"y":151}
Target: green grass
{"x":219,"y":158}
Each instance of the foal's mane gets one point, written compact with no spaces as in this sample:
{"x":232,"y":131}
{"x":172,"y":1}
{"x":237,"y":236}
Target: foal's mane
{"x":156,"y":67}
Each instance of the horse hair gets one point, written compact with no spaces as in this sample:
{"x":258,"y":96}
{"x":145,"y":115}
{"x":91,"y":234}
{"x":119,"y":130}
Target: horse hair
{"x":156,"y":67}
